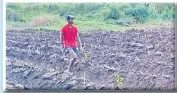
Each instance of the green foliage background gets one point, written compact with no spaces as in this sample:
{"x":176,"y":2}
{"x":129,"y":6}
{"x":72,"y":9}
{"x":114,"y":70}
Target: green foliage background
{"x":89,"y":16}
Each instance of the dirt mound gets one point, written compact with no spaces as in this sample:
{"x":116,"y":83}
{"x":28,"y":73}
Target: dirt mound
{"x":144,"y":59}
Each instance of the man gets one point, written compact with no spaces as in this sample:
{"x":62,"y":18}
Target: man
{"x":68,"y":38}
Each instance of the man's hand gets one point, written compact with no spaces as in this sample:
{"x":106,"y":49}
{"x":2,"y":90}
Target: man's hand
{"x":81,"y":49}
{"x":61,"y":47}
{"x":80,"y":44}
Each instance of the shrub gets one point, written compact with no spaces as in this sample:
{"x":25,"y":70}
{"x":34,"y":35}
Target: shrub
{"x":167,"y":16}
{"x":114,"y":14}
{"x":110,"y":21}
{"x":12,"y":15}
{"x":139,"y":14}
{"x":100,"y":14}
{"x":120,"y":22}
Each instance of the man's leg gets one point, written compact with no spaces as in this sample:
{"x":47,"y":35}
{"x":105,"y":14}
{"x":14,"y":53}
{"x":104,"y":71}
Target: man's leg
{"x":64,"y":54}
{"x":73,"y":57}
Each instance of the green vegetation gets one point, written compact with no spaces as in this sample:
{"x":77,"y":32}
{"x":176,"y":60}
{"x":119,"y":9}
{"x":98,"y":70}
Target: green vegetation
{"x":119,"y":81}
{"x":89,"y":16}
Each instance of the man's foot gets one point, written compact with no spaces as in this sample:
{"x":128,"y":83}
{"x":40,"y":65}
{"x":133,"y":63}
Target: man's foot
{"x":62,"y":59}
{"x":75,"y":64}
{"x":68,"y":72}
{"x":66,"y":59}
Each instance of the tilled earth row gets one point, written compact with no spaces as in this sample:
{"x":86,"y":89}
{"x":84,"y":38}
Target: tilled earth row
{"x":145,"y":59}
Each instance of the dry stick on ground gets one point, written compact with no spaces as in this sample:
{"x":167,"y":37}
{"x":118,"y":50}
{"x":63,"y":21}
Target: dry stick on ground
{"x":115,"y":47}
{"x":84,"y":79}
{"x":109,"y":68}
{"x":85,"y":54}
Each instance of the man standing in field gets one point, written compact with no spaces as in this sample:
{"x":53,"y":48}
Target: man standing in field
{"x":68,"y":39}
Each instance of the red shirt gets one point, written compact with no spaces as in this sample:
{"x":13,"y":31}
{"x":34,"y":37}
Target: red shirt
{"x":69,"y":35}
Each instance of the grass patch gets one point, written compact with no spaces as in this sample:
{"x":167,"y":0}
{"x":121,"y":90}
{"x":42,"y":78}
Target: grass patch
{"x":85,"y":26}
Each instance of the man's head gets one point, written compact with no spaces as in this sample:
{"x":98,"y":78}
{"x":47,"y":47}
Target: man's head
{"x":70,"y":19}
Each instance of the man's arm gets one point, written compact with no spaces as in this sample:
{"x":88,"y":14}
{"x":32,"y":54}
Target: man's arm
{"x":79,"y":41}
{"x":61,"y":39}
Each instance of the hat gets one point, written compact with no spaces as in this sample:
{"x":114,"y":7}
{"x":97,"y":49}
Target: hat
{"x":70,"y":17}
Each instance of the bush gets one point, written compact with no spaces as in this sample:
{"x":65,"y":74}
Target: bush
{"x":139,"y":14}
{"x":100,"y":14}
{"x":12,"y":15}
{"x":114,"y":14}
{"x":110,"y":21}
{"x":120,"y":22}
{"x":121,"y":14}
{"x":167,"y":16}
